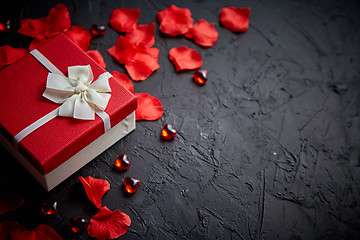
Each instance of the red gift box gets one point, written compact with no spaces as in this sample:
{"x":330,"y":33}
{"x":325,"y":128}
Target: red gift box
{"x":61,"y":146}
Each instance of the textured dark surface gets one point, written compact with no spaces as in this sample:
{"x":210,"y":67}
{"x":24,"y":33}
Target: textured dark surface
{"x":269,"y":148}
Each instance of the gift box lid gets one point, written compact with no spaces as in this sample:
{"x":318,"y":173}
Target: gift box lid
{"x":22,"y":103}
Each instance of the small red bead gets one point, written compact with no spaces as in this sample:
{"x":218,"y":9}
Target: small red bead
{"x":97,"y":31}
{"x":8,"y":25}
{"x":77,"y":224}
{"x":50,"y":208}
{"x":200,"y":76}
{"x":131,"y":184}
{"x":168,"y":132}
{"x":122,"y":162}
{"x":2,"y":27}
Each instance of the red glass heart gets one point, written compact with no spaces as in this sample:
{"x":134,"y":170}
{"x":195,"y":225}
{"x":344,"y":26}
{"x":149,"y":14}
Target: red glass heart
{"x":77,"y":224}
{"x":122,"y":162}
{"x":50,"y":208}
{"x":97,"y":31}
{"x":200,"y":76}
{"x":168,"y":132}
{"x":131,"y":184}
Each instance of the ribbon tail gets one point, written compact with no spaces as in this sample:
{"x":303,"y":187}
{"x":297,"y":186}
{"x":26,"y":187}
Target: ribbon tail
{"x":67,"y":108}
{"x":82,"y":109}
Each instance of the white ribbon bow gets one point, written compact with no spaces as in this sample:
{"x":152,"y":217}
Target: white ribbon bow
{"x":79,"y":96}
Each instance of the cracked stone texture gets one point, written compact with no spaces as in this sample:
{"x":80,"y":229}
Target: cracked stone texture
{"x":268,"y":148}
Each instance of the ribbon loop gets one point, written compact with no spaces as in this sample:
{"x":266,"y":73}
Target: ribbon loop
{"x":80,"y":73}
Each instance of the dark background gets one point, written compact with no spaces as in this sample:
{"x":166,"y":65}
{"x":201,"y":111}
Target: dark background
{"x":269,"y":148}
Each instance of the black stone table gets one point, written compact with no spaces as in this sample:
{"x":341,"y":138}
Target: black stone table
{"x":268,"y":148}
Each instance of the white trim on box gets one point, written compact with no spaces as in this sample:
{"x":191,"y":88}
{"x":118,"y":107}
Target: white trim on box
{"x":84,"y":156}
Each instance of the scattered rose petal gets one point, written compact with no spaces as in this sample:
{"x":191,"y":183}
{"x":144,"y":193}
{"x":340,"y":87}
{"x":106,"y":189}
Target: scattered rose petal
{"x":235,"y":19}
{"x":154,"y":52}
{"x":124,"y":20}
{"x":94,"y":54}
{"x":175,"y":21}
{"x":80,"y":36}
{"x":185,"y":58}
{"x":107,"y":224}
{"x":123,"y":50}
{"x":95,"y":189}
{"x":203,"y":33}
{"x":13,"y":230}
{"x":8,"y":55}
{"x":10,"y":203}
{"x":141,"y":66}
{"x":149,"y":107}
{"x":142,"y":36}
{"x":124,"y":80}
{"x":56,"y":22}
{"x":35,"y":43}
{"x":140,"y":63}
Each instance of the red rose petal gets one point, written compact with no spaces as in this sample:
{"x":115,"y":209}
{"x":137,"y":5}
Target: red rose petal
{"x":149,"y":107}
{"x":124,"y":20}
{"x":175,"y":21}
{"x":203,"y":33}
{"x":107,"y":224}
{"x":8,"y":55}
{"x":123,"y":50}
{"x":95,"y":189}
{"x":185,"y":58}
{"x":124,"y":80}
{"x":10,"y":203}
{"x":154,"y":52}
{"x":14,"y":230}
{"x":94,"y":54}
{"x":140,"y":63}
{"x":142,"y":36}
{"x":80,"y":36}
{"x":141,"y":66}
{"x":235,"y":19}
{"x":35,"y":43}
{"x":56,"y":22}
